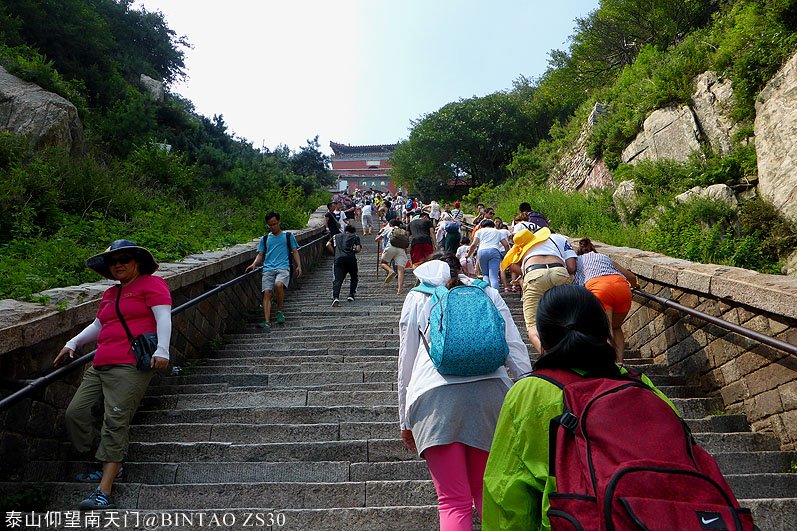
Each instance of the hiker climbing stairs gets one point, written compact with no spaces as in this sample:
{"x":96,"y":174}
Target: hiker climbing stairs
{"x":301,"y":423}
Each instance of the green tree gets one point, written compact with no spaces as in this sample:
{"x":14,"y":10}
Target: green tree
{"x":309,"y":161}
{"x":610,"y":37}
{"x":471,"y":139}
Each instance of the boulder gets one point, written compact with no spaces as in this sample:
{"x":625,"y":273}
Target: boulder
{"x":626,"y":199}
{"x":715,"y":192}
{"x":776,"y":140}
{"x":47,"y":118}
{"x":669,"y":133}
{"x":711,"y":103}
{"x":153,"y":87}
{"x":790,"y":267}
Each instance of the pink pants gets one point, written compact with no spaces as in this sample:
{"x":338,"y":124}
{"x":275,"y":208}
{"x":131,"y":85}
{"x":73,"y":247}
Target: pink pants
{"x":458,"y":476}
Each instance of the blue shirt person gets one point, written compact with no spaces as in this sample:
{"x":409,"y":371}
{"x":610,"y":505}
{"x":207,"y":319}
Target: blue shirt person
{"x":272,"y":252}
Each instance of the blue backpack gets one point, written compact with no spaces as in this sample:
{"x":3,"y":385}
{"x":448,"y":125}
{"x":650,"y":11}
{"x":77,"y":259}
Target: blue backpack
{"x":467,"y":339}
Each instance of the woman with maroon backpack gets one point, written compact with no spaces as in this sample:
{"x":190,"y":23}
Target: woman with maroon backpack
{"x":581,"y":443}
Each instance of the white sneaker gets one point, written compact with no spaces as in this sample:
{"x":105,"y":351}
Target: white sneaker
{"x":335,"y":302}
{"x":350,"y":298}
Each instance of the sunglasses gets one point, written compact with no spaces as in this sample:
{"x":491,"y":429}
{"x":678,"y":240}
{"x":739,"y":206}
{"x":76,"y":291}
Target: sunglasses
{"x":113,"y":260}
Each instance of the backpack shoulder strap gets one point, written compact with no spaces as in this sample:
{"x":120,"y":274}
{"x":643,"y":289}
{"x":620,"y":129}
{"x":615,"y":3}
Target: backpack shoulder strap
{"x":426,"y":289}
{"x":558,"y":377}
{"x":479,"y":283}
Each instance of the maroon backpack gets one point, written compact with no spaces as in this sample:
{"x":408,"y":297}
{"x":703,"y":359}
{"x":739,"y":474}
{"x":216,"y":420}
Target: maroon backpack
{"x":623,"y":459}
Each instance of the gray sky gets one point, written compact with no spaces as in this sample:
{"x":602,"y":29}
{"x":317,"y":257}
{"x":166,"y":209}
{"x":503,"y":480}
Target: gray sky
{"x":356,"y":71}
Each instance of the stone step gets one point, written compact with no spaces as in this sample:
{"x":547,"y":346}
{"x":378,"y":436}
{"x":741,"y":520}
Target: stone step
{"x":283,"y":397}
{"x":715,"y":443}
{"x":262,"y":433}
{"x":373,"y":386}
{"x":689,"y":407}
{"x":305,"y":371}
{"x":363,"y":326}
{"x":259,"y":377}
{"x":773,"y":514}
{"x":762,"y":485}
{"x":309,"y":336}
{"x":293,"y":360}
{"x":307,"y":352}
{"x":297,"y":494}
{"x":244,"y":495}
{"x":161,"y":473}
{"x":269,"y":415}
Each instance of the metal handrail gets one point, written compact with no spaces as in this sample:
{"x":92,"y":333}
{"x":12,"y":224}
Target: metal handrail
{"x":60,"y":372}
{"x":738,"y":329}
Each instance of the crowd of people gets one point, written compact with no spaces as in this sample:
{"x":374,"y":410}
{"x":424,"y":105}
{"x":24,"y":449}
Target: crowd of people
{"x":483,"y":432}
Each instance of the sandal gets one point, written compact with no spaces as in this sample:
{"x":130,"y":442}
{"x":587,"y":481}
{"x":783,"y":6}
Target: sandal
{"x":96,"y":476}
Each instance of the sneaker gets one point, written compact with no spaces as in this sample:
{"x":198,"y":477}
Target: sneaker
{"x":335,"y":302}
{"x":264,"y":325}
{"x":96,"y":476}
{"x":507,"y":290}
{"x":350,"y":298}
{"x":97,"y":500}
{"x":389,"y":277}
{"x":280,"y":318}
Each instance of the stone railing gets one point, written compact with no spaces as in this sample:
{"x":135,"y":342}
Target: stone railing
{"x":32,"y":334}
{"x":752,"y":378}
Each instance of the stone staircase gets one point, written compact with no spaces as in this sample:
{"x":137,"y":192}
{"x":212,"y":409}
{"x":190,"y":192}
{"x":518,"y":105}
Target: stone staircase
{"x":301,"y":423}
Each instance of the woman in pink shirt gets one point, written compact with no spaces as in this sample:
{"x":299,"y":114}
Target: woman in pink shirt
{"x":139,"y":304}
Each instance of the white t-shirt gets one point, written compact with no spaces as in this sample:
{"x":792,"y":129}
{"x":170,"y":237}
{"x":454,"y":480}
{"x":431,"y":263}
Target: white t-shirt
{"x":520,"y":225}
{"x":435,"y":210}
{"x":556,"y":245}
{"x":490,"y":238}
{"x":368,"y":210}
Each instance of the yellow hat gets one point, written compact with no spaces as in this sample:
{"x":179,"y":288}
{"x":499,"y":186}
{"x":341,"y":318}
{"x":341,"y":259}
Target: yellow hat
{"x":524,"y":240}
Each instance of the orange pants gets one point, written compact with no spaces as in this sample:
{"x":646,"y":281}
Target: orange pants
{"x":613,"y":291}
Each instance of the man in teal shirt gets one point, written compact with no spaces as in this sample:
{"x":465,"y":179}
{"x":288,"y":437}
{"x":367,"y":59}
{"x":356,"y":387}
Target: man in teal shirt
{"x":273,"y":249}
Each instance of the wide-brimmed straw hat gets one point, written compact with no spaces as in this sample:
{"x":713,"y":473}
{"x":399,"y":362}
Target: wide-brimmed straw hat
{"x":524,"y":240}
{"x":146,"y":262}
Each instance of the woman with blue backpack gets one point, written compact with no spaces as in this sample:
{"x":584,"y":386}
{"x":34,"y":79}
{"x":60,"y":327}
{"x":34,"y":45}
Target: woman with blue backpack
{"x":456,"y":341}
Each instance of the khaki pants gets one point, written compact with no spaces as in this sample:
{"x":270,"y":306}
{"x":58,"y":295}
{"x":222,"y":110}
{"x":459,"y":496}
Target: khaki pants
{"x":119,"y":390}
{"x":535,"y":284}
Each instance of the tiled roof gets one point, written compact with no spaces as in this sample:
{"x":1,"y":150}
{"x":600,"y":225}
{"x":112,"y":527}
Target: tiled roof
{"x":346,"y":149}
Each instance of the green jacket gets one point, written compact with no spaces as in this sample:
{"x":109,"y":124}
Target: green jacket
{"x":516,"y":481}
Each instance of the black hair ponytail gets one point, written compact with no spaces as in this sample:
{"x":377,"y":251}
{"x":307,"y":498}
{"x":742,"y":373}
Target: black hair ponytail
{"x":574,"y":332}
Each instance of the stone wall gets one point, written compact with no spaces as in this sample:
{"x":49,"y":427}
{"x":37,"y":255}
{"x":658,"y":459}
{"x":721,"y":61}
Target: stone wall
{"x":753,"y":379}
{"x":32,"y":334}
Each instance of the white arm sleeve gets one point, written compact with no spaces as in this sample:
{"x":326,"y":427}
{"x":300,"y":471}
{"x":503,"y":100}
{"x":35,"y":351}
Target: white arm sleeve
{"x":163,"y":319}
{"x":518,"y":360}
{"x":409,"y":339}
{"x":87,"y":335}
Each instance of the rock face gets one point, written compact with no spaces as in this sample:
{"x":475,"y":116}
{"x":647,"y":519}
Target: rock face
{"x":715,"y":192}
{"x":776,"y":140}
{"x":711,"y":103}
{"x":576,"y":169}
{"x":669,"y":133}
{"x":676,"y":132}
{"x":153,"y":87}
{"x":625,"y":199}
{"x":49,"y":119}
